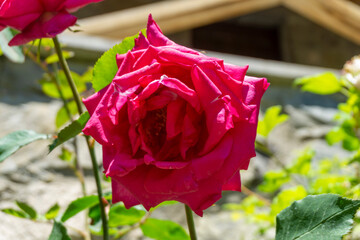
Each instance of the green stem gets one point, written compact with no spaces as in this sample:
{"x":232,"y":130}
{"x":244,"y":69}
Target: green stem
{"x":190,"y":222}
{"x":66,"y":69}
{"x":95,"y":166}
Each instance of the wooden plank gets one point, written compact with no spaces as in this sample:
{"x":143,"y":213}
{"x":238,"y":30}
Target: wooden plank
{"x":172,"y":16}
{"x":339,"y":16}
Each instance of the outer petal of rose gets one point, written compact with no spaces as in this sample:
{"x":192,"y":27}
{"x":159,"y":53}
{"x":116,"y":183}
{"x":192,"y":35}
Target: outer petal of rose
{"x":244,"y":133}
{"x":93,"y":101}
{"x":187,"y":60}
{"x":99,"y":125}
{"x":141,"y":42}
{"x":120,"y":164}
{"x":53,"y":5}
{"x":235,"y":71}
{"x":121,"y":193}
{"x":154,"y":34}
{"x":228,"y":86}
{"x":253,"y":89}
{"x":17,"y":8}
{"x":20,"y":22}
{"x":135,"y":183}
{"x":39,"y":29}
{"x":74,"y":5}
{"x":165,"y":181}
{"x":209,"y":191}
{"x":205,"y":166}
{"x":234,"y":183}
{"x":218,"y":113}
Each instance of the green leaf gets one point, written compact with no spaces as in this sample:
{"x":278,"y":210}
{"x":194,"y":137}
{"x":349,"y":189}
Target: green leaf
{"x":79,"y":205}
{"x":52,"y":212}
{"x":324,"y":83}
{"x":106,"y":68}
{"x":49,"y":87}
{"x":15,"y":140}
{"x":15,"y":53}
{"x":70,"y":131}
{"x":15,"y":213}
{"x":54,"y":57}
{"x":321,"y":217}
{"x":271,"y":119}
{"x":163,"y":230}
{"x":59,"y":232}
{"x":166,"y":203}
{"x":27,"y":209}
{"x":62,"y":116}
{"x":120,"y":216}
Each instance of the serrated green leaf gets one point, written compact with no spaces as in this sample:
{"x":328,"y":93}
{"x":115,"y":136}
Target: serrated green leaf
{"x":163,"y":230}
{"x":79,"y":205}
{"x":106,"y":68}
{"x":62,"y":115}
{"x":54,"y":57}
{"x":120,"y":216}
{"x":271,"y":119}
{"x":27,"y":209}
{"x":59,"y":232}
{"x":15,"y":213}
{"x":15,"y":140}
{"x":70,"y":131}
{"x":324,"y":83}
{"x":50,"y":89}
{"x":15,"y":53}
{"x":52,"y":212}
{"x":321,"y":217}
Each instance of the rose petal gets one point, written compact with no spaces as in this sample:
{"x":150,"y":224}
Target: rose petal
{"x":174,"y":118}
{"x":205,"y":166}
{"x":141,"y":42}
{"x":39,"y":29}
{"x":164,"y":181}
{"x":130,"y":79}
{"x":154,"y":34}
{"x":74,"y":5}
{"x":122,"y":194}
{"x":233,"y":184}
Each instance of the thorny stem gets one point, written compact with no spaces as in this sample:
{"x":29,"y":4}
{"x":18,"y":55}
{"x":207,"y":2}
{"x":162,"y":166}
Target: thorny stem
{"x":190,"y":222}
{"x":95,"y":166}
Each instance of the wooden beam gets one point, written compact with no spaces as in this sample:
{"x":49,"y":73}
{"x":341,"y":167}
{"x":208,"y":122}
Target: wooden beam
{"x":339,"y":16}
{"x":172,"y":16}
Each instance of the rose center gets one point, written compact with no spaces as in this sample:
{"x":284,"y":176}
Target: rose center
{"x":154,"y":126}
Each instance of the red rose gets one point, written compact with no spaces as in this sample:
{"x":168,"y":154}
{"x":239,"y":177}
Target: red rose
{"x":174,"y":124}
{"x":38,"y":18}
